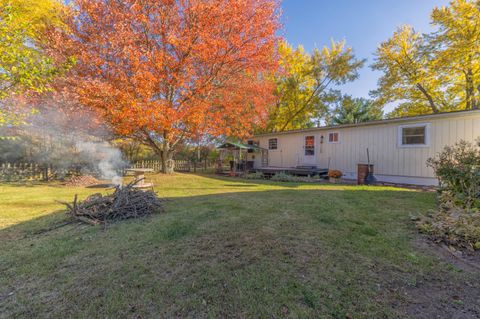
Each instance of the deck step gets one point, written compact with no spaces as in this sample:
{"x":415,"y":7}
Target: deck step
{"x":313,"y":167}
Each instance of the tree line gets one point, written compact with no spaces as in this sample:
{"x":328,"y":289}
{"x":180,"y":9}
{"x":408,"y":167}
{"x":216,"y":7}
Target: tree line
{"x":167,"y":74}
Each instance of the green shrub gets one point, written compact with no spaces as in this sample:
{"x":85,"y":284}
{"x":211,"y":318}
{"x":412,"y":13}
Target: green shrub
{"x":458,"y":171}
{"x":457,"y":220}
{"x":284,"y":177}
{"x":256,"y":175}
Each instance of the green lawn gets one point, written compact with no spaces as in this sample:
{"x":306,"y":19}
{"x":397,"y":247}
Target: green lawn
{"x":224,"y":248}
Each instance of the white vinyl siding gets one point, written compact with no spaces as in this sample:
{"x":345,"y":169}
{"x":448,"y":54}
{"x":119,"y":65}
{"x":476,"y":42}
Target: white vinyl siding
{"x":382,"y":139}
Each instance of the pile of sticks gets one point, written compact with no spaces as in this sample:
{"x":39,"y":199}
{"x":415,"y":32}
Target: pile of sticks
{"x":124,"y":203}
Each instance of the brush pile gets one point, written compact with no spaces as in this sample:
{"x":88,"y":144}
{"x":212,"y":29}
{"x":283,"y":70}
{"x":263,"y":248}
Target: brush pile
{"x":82,"y":180}
{"x":124,"y":203}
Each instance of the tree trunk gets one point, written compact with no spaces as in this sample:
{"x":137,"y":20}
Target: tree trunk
{"x":165,"y":150}
{"x":477,"y":104}
{"x":429,"y":98}
{"x":469,"y":90}
{"x":167,"y":162}
{"x":166,"y":156}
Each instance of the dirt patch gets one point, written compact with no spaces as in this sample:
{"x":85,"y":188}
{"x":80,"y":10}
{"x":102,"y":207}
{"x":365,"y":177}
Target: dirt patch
{"x":430,"y":189}
{"x":464,"y":260}
{"x":421,"y":188}
{"x":445,"y":294}
{"x":442,"y":298}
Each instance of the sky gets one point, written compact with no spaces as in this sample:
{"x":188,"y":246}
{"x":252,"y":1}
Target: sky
{"x":362,"y":23}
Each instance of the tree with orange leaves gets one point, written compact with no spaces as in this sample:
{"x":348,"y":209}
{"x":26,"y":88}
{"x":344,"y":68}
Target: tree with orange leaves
{"x":165,"y":71}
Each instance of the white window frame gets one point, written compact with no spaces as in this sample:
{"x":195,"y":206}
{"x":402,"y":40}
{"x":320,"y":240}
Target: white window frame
{"x":338,"y":138}
{"x":400,"y":135}
{"x":268,"y":144}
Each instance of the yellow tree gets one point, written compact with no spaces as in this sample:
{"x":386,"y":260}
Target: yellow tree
{"x":23,"y":64}
{"x":305,"y":82}
{"x":434,"y":72}
{"x":456,"y":49}
{"x":407,"y":74}
{"x":294,"y":74}
{"x":22,"y":23}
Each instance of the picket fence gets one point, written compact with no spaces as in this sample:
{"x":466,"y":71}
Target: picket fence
{"x":180,"y":165}
{"x":26,"y":171}
{"x":10,"y":172}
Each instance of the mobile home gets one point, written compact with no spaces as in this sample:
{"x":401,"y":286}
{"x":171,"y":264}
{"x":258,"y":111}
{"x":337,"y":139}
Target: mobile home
{"x":399,"y":148}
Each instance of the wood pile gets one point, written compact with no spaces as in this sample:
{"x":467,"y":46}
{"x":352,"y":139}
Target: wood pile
{"x":82,"y":180}
{"x":124,"y":203}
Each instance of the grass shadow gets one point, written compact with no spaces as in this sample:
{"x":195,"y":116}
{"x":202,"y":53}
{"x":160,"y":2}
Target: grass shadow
{"x":274,"y":251}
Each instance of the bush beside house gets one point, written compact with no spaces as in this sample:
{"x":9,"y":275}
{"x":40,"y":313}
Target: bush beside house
{"x":457,"y":220}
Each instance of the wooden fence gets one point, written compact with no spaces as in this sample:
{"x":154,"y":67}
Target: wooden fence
{"x":37,"y":172}
{"x":25,"y":171}
{"x":180,"y":165}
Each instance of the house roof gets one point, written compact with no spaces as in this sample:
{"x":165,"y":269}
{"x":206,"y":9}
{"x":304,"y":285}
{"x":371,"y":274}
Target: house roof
{"x":236,"y":145}
{"x":378,"y":122}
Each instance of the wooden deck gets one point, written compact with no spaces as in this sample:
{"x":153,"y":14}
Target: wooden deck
{"x":299,"y":170}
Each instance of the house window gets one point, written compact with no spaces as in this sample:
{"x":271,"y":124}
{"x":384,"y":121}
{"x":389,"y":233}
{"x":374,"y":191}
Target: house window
{"x":413,"y":135}
{"x":333,"y":137}
{"x":250,"y":142}
{"x":309,"y":145}
{"x":272,"y":144}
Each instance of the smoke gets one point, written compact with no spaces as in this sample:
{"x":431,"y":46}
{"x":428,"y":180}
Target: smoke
{"x":105,"y":158}
{"x":63,"y":134}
